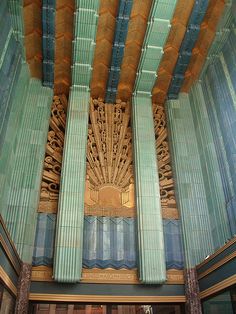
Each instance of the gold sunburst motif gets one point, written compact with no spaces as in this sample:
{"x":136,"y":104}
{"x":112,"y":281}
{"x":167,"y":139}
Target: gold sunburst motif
{"x":109,"y":180}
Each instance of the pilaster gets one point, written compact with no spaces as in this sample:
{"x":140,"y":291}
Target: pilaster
{"x":69,"y":236}
{"x":149,"y":220}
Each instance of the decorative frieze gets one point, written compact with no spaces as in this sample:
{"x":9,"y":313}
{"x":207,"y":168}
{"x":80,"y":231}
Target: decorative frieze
{"x":110,"y":212}
{"x":108,"y":275}
{"x":42,"y":273}
{"x":175,"y":277}
{"x":123,"y":276}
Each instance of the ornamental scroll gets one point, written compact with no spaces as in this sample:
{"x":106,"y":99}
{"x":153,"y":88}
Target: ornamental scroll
{"x":109,"y":186}
{"x":168,"y":202}
{"x":53,"y":157}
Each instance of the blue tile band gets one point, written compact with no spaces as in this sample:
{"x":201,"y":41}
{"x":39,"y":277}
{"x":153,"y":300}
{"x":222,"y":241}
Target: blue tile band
{"x":48,"y":41}
{"x":109,"y":242}
{"x":121,"y":31}
{"x":185,"y":52}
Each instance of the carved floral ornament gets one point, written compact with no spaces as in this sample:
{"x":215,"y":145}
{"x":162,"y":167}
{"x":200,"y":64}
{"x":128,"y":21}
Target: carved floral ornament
{"x":166,"y":181}
{"x":109,"y":160}
{"x":53,"y":157}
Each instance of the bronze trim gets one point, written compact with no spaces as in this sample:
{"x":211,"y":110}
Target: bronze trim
{"x":7,"y":281}
{"x":231,"y":242}
{"x":219,"y":286}
{"x":10,"y":256}
{"x":217,"y":265}
{"x":105,"y":298}
{"x":9,"y":238}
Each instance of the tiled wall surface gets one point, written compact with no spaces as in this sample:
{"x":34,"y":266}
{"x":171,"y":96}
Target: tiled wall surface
{"x":219,"y":87}
{"x":191,"y":193}
{"x":173,"y":244}
{"x":10,"y":66}
{"x":26,"y":107}
{"x":109,"y":242}
{"x":210,"y":168}
{"x":24,"y":188}
{"x":202,"y":135}
{"x":11,"y":138}
{"x":44,"y":240}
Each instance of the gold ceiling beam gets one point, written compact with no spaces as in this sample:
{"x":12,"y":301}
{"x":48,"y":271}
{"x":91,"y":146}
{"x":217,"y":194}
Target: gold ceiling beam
{"x":103,"y":51}
{"x":205,"y":39}
{"x":133,"y":46}
{"x":33,"y":36}
{"x":171,"y":50}
{"x":63,"y":45}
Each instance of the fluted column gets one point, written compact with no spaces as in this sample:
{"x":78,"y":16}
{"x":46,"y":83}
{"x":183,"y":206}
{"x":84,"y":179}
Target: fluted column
{"x":150,"y":231}
{"x":69,"y":236}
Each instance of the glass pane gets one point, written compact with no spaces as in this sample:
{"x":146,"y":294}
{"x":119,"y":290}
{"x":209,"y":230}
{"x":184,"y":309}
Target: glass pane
{"x":7,"y":302}
{"x":168,"y":309}
{"x":220,"y":304}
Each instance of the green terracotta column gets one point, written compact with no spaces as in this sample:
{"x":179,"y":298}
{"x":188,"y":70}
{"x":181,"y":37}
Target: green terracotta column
{"x":69,"y":236}
{"x":150,"y":232}
{"x":15,"y":8}
{"x":228,"y":78}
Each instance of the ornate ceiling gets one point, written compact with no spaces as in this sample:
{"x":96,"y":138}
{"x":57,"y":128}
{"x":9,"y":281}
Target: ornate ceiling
{"x":119,"y":47}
